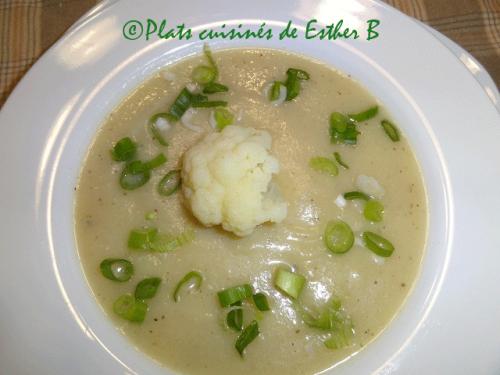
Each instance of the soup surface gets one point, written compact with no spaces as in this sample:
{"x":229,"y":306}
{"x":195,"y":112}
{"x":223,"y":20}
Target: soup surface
{"x":190,"y":336}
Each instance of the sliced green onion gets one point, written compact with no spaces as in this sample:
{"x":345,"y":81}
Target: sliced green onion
{"x":352,"y":195}
{"x":151,"y":215}
{"x":324,"y":165}
{"x":339,"y":160}
{"x":140,"y":239}
{"x":209,"y":104}
{"x":342,"y":129}
{"x":391,"y":130}
{"x":137,"y":173}
{"x":211,"y":61}
{"x":124,"y":150}
{"x":203,"y":74}
{"x":214,"y":87}
{"x":234,"y":319}
{"x":378,"y":244}
{"x":181,"y":104}
{"x":198,"y":98}
{"x":128,"y":308}
{"x":338,"y":237}
{"x":155,"y":162}
{"x":365,"y":115}
{"x":301,"y":74}
{"x":247,"y":336}
{"x":170,"y":183}
{"x":338,"y":340}
{"x":235,"y":294}
{"x":260,"y":301}
{"x":157,"y":133}
{"x":193,"y":277}
{"x":294,"y":76}
{"x":274,"y":92}
{"x":163,"y":243}
{"x":373,"y":211}
{"x":289,"y":283}
{"x":147,"y":288}
{"x":117,"y":269}
{"x":334,"y":320}
{"x":222,"y":118}
{"x":339,"y":122}
{"x":331,"y":318}
{"x":150,"y":240}
{"x":134,"y":175}
{"x":292,"y":87}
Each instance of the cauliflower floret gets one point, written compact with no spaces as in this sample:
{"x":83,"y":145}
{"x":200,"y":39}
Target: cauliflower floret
{"x":226,"y":179}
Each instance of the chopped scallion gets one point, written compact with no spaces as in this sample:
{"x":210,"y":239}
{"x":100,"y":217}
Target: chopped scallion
{"x":198,"y":98}
{"x":193,"y":278}
{"x":137,"y":173}
{"x":158,"y":133}
{"x":235,"y":294}
{"x":134,"y":175}
{"x":203,"y":74}
{"x":365,"y":115}
{"x":234,"y":319}
{"x":117,"y":269}
{"x":181,"y":104}
{"x":222,"y":118}
{"x":214,"y":87}
{"x":170,"y":183}
{"x":391,"y":130}
{"x":164,"y":243}
{"x":124,"y":150}
{"x":334,"y":320}
{"x":292,"y":88}
{"x":340,"y":161}
{"x":373,"y":211}
{"x":155,"y":162}
{"x":338,"y":340}
{"x":140,"y":239}
{"x":260,"y":301}
{"x":209,"y":104}
{"x":301,"y":74}
{"x":352,"y":195}
{"x":150,"y":240}
{"x":324,"y":165}
{"x":378,"y":244}
{"x":338,"y":237}
{"x":210,"y":58}
{"x":294,"y":76}
{"x":128,"y":308}
{"x":274,"y":92}
{"x":147,"y":288}
{"x":342,"y":129}
{"x":247,"y":336}
{"x":289,"y":283}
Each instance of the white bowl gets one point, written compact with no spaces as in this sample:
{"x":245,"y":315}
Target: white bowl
{"x":51,"y":323}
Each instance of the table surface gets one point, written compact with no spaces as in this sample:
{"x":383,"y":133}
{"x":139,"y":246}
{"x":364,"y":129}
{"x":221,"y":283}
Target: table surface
{"x":29,"y":27}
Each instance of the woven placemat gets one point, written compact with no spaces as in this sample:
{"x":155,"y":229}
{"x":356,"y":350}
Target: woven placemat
{"x":29,"y":27}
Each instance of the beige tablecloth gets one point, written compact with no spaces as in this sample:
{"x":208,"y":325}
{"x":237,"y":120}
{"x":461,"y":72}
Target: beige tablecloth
{"x":29,"y":27}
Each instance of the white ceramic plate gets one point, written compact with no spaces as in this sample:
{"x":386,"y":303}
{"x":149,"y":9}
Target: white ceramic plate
{"x":50,"y":323}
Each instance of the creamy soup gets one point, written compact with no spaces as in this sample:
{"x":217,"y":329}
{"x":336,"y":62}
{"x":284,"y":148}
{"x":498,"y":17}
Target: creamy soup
{"x":191,"y":336}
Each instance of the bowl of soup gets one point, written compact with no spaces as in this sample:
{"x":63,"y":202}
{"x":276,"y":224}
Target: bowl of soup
{"x":178,"y":268}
